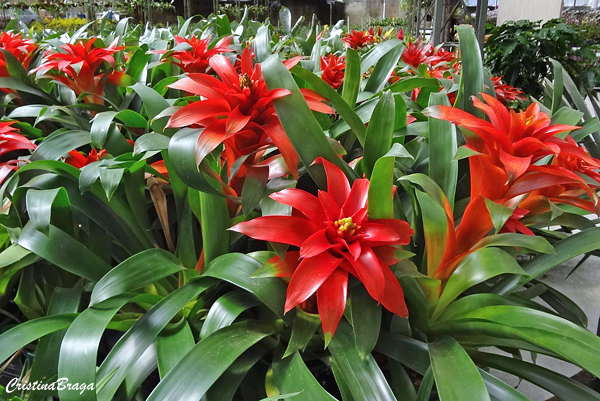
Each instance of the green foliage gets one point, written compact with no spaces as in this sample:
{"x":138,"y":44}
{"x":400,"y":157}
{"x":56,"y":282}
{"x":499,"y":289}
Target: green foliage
{"x":520,"y":51}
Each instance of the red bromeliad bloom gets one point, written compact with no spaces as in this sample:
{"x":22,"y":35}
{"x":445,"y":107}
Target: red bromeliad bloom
{"x":400,"y":34}
{"x":79,"y":160}
{"x":416,"y":54}
{"x":506,"y":93}
{"x":333,"y":68}
{"x":22,"y":49}
{"x":335,"y":237}
{"x":238,"y":111}
{"x":195,"y":60}
{"x":11,"y":140}
{"x":508,"y":169}
{"x":78,"y":67}
{"x":358,"y":39}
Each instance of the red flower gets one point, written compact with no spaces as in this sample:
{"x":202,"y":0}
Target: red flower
{"x":333,"y":68}
{"x":22,"y":49}
{"x":358,"y":39}
{"x":335,"y":237}
{"x":506,"y":93}
{"x":79,"y":160}
{"x":400,"y":34}
{"x":238,"y":111}
{"x":192,"y":55}
{"x":78,"y":67}
{"x":416,"y":54}
{"x":11,"y":140}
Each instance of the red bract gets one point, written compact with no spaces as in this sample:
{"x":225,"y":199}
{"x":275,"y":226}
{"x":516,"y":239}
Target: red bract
{"x":237,"y":111}
{"x":195,"y":59}
{"x":22,"y":49}
{"x":506,"y":93}
{"x":333,"y":68}
{"x":79,"y":160}
{"x":416,"y":54}
{"x":335,"y":237}
{"x":358,"y":39}
{"x":78,"y":67}
{"x":400,"y":34}
{"x":11,"y":140}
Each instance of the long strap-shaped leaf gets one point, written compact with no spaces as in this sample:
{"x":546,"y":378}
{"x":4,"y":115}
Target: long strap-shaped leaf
{"x":206,"y":362}
{"x":456,"y":376}
{"x":291,"y":375}
{"x":122,"y":358}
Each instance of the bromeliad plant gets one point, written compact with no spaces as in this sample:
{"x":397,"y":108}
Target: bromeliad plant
{"x":220,"y":213}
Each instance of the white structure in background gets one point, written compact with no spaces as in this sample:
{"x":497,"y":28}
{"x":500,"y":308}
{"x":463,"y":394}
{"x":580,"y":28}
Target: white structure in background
{"x":534,"y":10}
{"x":582,"y":3}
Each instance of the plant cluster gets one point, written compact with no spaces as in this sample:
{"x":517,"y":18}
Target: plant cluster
{"x":587,"y":22}
{"x":521,"y":52}
{"x":219,"y":211}
{"x":60,"y":24}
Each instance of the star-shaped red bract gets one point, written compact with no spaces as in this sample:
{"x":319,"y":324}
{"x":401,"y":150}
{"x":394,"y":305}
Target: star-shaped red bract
{"x":22,"y":49}
{"x":196,"y":58}
{"x":11,"y":140}
{"x":335,"y":237}
{"x":332,"y":69}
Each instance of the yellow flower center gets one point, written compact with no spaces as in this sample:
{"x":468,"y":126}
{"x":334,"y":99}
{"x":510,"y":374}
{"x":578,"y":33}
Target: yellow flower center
{"x":246,"y":82}
{"x":345,"y":227}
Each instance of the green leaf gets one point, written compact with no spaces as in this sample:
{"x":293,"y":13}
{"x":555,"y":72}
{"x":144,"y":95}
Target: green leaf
{"x":352,"y":77}
{"x":345,"y":111}
{"x":456,"y":376}
{"x":110,"y":179}
{"x":471,"y":76}
{"x":304,"y":327}
{"x":568,"y":248}
{"x":380,"y":202}
{"x":408,"y":84}
{"x":135,"y":272}
{"x":254,"y":187}
{"x":499,"y":214}
{"x":380,"y":131}
{"x":476,"y":268}
{"x":20,"y":86}
{"x":521,"y":241}
{"x":262,"y":48}
{"x":153,"y":102}
{"x":151,"y":142}
{"x":285,"y":17}
{"x":384,"y":67}
{"x":371,"y":57}
{"x":366,"y":320}
{"x":122,"y":358}
{"x":44,"y":204}
{"x":362,"y":376}
{"x":226,"y":309}
{"x":499,"y":390}
{"x":292,"y":376}
{"x":202,"y":366}
{"x":45,"y":363}
{"x":442,"y":148}
{"x":101,"y":124}
{"x":435,"y":228}
{"x":563,"y":387}
{"x":63,"y":251}
{"x":79,"y":348}
{"x":226,"y":387}
{"x":299,"y":123}
{"x":426,"y":386}
{"x":172,"y":347}
{"x":19,"y":336}
{"x":558,"y":86}
{"x":60,"y":143}
{"x":237,"y":269}
{"x":214,"y":223}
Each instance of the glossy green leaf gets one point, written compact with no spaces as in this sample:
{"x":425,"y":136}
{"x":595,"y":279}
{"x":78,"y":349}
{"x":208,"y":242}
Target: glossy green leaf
{"x":226,"y":309}
{"x":122,"y":357}
{"x":456,"y":376}
{"x":19,"y":336}
{"x":110,"y":179}
{"x":59,"y":144}
{"x":215,"y":222}
{"x":471,"y":77}
{"x":254,"y":187}
{"x":443,"y":169}
{"x":408,"y":351}
{"x":238,"y":269}
{"x":291,"y":376}
{"x":42,"y":203}
{"x":262,"y":47}
{"x":408,"y":84}
{"x":285,"y":17}
{"x":202,"y":366}
{"x":101,"y":124}
{"x":304,"y":327}
{"x":352,"y":77}
{"x":20,"y":86}
{"x":563,"y":387}
{"x":13,"y":66}
{"x":384,"y":67}
{"x":521,"y":241}
{"x":499,"y":214}
{"x":366,"y":320}
{"x":45,"y":363}
{"x":371,"y":57}
{"x":226,"y":386}
{"x":401,"y":383}
{"x":363,"y":377}
{"x":568,"y":248}
{"x":426,"y":386}
{"x":136,"y":272}
{"x":154,"y":103}
{"x":63,"y":251}
{"x":151,"y":142}
{"x":499,"y":390}
{"x":476,"y":268}
{"x":380,"y":201}
{"x":435,"y":228}
{"x":172,"y":347}
{"x":79,"y":348}
{"x":380,"y":132}
{"x":345,"y":111}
